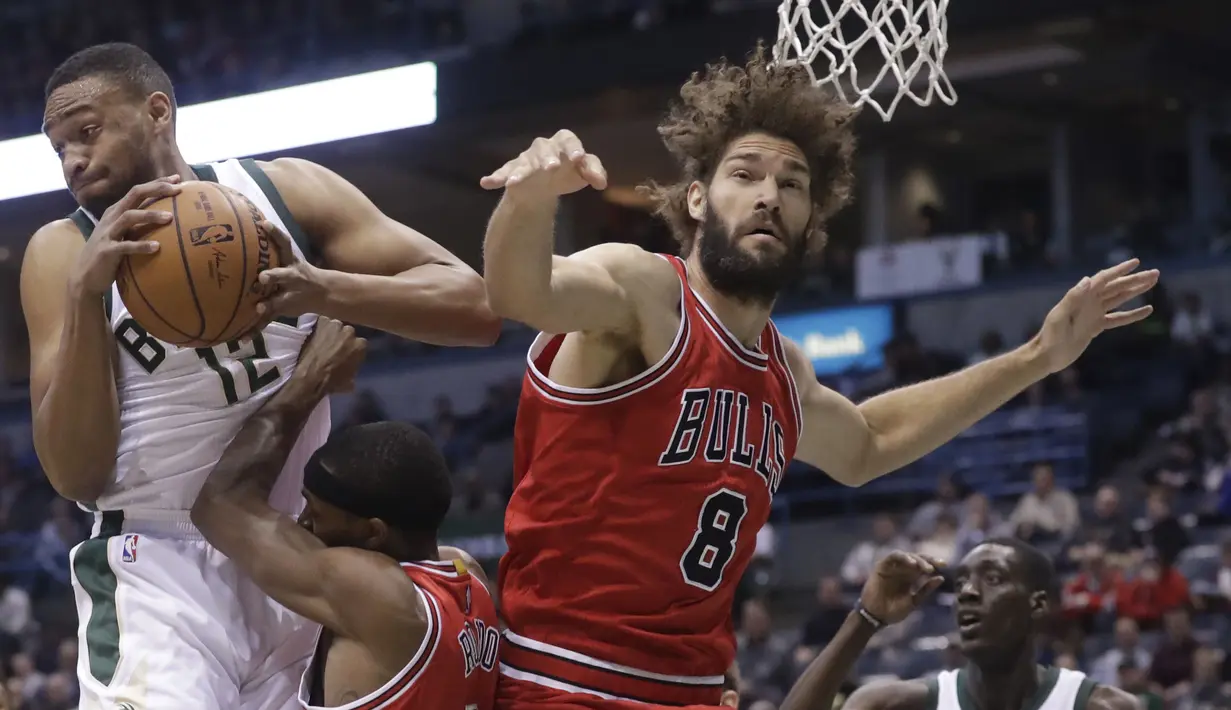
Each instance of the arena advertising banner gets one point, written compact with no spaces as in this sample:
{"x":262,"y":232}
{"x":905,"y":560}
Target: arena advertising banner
{"x":917,"y":268}
{"x":258,"y":124}
{"x":841,"y":339}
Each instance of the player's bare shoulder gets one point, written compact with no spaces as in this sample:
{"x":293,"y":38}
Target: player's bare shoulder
{"x":891,"y":695}
{"x":648,"y":279}
{"x":1106,"y":697}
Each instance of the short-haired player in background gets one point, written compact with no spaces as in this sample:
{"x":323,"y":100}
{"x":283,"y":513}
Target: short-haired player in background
{"x":130,"y":426}
{"x":661,"y":408}
{"x":406,"y":625}
{"x":1005,"y":589}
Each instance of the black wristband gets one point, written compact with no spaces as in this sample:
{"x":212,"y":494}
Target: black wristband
{"x":868,"y":616}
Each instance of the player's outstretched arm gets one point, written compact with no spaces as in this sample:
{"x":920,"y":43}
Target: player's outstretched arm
{"x":593,"y":290}
{"x":380,"y":273}
{"x":287,"y":562}
{"x":896,"y":587}
{"x":64,"y":278}
{"x":1107,"y":698}
{"x":856,"y":444}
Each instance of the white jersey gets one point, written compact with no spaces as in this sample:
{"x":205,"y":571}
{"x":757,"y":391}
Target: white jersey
{"x":1060,"y":689}
{"x":181,"y":407}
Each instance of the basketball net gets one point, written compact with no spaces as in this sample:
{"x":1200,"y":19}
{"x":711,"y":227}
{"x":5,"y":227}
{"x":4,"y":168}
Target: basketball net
{"x":911,"y":37}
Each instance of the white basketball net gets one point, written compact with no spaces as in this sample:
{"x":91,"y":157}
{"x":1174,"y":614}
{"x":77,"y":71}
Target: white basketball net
{"x":911,"y":36}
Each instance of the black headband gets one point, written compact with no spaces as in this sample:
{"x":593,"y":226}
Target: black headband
{"x":336,"y":491}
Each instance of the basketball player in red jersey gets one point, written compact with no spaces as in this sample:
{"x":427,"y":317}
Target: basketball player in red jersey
{"x":405,"y":624}
{"x":661,"y":407}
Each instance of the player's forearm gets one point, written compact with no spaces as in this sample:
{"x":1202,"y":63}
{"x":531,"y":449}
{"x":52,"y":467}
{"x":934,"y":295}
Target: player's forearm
{"x":77,"y":422}
{"x":517,"y":258}
{"x":908,"y":423}
{"x":823,"y":678}
{"x":237,"y":489}
{"x":440,"y":304}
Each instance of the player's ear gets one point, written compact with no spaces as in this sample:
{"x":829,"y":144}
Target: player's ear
{"x":378,"y":532}
{"x":161,"y":109}
{"x":730,"y":699}
{"x":697,"y":201}
{"x":1040,"y":605}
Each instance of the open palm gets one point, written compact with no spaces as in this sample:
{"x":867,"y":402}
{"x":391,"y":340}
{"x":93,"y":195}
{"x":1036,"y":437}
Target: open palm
{"x":1090,"y":307}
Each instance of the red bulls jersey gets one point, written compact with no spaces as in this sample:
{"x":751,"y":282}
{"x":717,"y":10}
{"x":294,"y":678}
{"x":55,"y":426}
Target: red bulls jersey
{"x":635,"y":513}
{"x":455,"y":667}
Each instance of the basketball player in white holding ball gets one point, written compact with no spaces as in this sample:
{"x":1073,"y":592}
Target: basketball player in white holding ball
{"x":130,"y":426}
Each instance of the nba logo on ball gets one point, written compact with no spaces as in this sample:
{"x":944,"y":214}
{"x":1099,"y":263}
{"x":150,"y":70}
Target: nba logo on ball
{"x":210,"y":234}
{"x":130,"y":549}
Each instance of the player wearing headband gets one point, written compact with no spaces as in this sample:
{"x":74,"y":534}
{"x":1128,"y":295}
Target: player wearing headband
{"x":406,"y":624}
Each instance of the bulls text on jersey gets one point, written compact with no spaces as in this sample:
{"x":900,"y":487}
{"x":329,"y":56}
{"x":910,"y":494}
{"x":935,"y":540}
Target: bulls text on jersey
{"x":720,"y":419}
{"x":480,"y":645}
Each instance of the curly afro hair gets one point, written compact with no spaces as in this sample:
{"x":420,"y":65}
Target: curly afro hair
{"x":727,"y":102}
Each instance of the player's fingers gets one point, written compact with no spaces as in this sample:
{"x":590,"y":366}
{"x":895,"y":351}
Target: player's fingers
{"x":498,"y":179}
{"x":593,"y":171}
{"x":282,"y":242}
{"x":1126,"y":288}
{"x":135,"y":248}
{"x":148,"y":191}
{"x":132,"y":219}
{"x":1112,"y":273}
{"x":1123,"y":318}
{"x":569,"y":145}
{"x":280,"y":276}
{"x":936,"y":562}
{"x":525,"y":167}
{"x":929,"y":587}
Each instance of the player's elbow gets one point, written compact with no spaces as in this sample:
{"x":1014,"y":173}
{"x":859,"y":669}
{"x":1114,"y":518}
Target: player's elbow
{"x":82,"y":485}
{"x":520,"y":306}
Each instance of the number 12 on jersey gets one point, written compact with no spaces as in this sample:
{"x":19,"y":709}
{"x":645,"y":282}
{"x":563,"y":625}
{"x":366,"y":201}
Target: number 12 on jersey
{"x":257,"y":380}
{"x":713,"y":543}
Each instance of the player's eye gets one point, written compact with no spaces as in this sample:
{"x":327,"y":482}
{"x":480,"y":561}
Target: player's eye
{"x":792,"y":184}
{"x":741,"y":175}
{"x":90,"y":132}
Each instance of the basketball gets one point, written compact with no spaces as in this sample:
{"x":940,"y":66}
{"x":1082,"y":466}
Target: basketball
{"x":200,"y":289}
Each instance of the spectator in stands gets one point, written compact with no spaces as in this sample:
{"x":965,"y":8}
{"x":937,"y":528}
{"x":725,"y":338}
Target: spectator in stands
{"x":764,"y":659}
{"x":58,"y":535}
{"x":1108,"y":526}
{"x":863,"y":557}
{"x":1207,"y":690}
{"x":942,"y":543}
{"x":1161,"y":531}
{"x":1088,"y":599}
{"x":21,"y":667}
{"x":831,"y":611}
{"x":991,"y":344}
{"x":1156,"y":590}
{"x":1224,"y":577}
{"x":1133,"y":679}
{"x":948,"y":501}
{"x":1127,"y":650}
{"x":1172,"y":668}
{"x":1047,"y":512}
{"x":979,"y":522}
{"x":1192,"y":324}
{"x":59,"y":693}
{"x":365,"y":409}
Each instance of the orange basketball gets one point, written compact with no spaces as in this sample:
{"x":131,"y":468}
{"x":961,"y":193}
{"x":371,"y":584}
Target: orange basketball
{"x":201,"y":288}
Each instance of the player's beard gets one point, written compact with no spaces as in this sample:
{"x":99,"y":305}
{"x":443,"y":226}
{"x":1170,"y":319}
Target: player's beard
{"x":742,"y":275}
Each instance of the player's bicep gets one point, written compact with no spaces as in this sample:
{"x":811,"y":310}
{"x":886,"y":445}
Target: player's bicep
{"x":352,"y":233}
{"x":44,"y":301}
{"x":601,"y":289}
{"x":835,"y":436}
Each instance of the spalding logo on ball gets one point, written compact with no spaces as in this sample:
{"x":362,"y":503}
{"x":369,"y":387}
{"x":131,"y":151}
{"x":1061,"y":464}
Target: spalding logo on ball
{"x":201,"y":288}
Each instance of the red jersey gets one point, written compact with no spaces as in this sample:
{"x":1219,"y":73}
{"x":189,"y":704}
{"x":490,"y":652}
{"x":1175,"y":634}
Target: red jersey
{"x":455,"y":665}
{"x":635,"y":512}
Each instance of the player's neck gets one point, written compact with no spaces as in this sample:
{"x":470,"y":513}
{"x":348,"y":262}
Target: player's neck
{"x":745,"y":320}
{"x":1010,"y":687}
{"x":407,"y":550}
{"x":169,"y":161}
